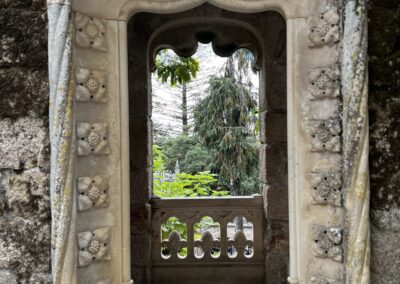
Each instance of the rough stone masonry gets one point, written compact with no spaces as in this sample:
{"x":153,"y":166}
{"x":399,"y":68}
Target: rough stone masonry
{"x":24,"y":145}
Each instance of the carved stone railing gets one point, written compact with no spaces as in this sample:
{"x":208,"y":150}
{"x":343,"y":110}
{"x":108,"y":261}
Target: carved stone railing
{"x":231,"y":238}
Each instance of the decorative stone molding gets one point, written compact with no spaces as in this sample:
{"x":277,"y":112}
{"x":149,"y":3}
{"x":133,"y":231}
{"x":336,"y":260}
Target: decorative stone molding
{"x":323,"y":280}
{"x":92,"y":139}
{"x":326,"y":188}
{"x":327,"y":242}
{"x":174,"y":244}
{"x":207,"y":243}
{"x":323,"y":29}
{"x":324,"y":82}
{"x":240,"y":242}
{"x":90,"y":32}
{"x":93,"y":192}
{"x":94,"y":246}
{"x":90,"y":85}
{"x":326,"y":135}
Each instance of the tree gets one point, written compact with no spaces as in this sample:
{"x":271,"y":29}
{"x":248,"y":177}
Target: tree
{"x":178,"y":71}
{"x":186,"y":151}
{"x":225,"y":120}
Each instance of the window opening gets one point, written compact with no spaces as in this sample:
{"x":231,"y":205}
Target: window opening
{"x":205,"y":124}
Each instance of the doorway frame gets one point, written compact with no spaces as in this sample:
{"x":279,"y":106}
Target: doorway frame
{"x":304,"y":124}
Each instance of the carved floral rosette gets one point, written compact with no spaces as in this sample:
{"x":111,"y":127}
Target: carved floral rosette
{"x":92,"y":139}
{"x":91,"y":85}
{"x":325,"y":135}
{"x":93,"y":246}
{"x":327,"y":242}
{"x":90,"y":32}
{"x":93,"y":192}
{"x":324,"y":82}
{"x":326,"y":188}
{"x":324,"y":28}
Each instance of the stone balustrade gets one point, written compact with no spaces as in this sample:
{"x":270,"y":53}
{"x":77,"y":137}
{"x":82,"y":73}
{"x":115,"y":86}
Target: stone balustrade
{"x":217,"y":233}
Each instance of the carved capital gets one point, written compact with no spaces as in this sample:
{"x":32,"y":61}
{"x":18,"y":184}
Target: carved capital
{"x":92,"y":139}
{"x":327,"y":242}
{"x":323,"y":29}
{"x":90,"y":32}
{"x":93,"y":192}
{"x":325,"y":135}
{"x":93,"y":246}
{"x":324,"y":82}
{"x":90,"y":85}
{"x":326,"y":188}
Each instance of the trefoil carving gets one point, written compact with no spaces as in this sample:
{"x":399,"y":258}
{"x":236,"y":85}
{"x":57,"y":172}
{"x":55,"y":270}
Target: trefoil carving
{"x":92,"y":139}
{"x":240,"y":242}
{"x":207,"y":243}
{"x":324,"y":82}
{"x":325,"y":135}
{"x":174,"y":244}
{"x":326,"y":188}
{"x":93,"y":192}
{"x":323,"y":29}
{"x":94,"y":246}
{"x":327,"y":242}
{"x":90,"y":85}
{"x":90,"y":32}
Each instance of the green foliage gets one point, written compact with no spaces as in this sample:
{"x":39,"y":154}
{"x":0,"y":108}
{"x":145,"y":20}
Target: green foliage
{"x":175,"y":69}
{"x":190,"y":154}
{"x":183,"y":184}
{"x":158,"y":159}
{"x":226,"y":120}
{"x":188,"y":185}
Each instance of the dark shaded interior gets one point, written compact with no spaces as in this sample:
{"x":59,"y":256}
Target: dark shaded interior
{"x":265,"y":35}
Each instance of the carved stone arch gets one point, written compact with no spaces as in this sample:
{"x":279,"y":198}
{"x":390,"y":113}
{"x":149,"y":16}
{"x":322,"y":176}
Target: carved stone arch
{"x":229,"y":36}
{"x":265,"y":35}
{"x":90,"y":99}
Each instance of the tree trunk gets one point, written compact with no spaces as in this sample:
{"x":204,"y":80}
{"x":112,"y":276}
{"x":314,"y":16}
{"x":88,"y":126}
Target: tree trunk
{"x":235,"y":192}
{"x":185,"y":127}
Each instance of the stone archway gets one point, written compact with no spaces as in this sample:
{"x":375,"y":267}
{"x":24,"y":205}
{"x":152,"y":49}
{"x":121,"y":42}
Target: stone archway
{"x":327,"y":143}
{"x":265,"y":35}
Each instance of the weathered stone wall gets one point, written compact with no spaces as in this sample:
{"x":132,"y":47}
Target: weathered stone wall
{"x":384,"y":105}
{"x":24,"y":145}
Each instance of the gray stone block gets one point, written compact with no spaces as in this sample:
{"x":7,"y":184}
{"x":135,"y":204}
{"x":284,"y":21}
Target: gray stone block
{"x":25,"y":246}
{"x":8,"y":277}
{"x":29,"y":195}
{"x":24,"y":92}
{"x":24,"y":38}
{"x":20,"y":142}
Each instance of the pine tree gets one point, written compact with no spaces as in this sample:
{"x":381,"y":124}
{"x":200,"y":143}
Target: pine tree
{"x":178,"y":71}
{"x":225,"y":121}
